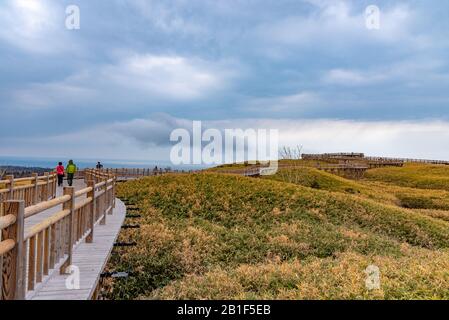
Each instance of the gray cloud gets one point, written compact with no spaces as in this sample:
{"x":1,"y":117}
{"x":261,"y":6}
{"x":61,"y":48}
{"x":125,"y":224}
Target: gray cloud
{"x":212,"y":60}
{"x":147,"y":139}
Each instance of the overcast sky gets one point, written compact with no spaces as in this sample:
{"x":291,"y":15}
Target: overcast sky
{"x":137,"y":69}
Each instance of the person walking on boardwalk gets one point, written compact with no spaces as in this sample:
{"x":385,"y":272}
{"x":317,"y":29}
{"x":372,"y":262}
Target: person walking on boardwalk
{"x":60,"y":174}
{"x":71,"y":169}
{"x":99,"y":165}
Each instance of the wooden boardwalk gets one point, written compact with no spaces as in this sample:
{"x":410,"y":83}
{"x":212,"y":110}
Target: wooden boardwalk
{"x":89,"y":259}
{"x":55,"y":242}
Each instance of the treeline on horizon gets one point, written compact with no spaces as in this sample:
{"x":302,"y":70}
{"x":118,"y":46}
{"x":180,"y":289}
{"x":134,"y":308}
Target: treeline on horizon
{"x":21,"y":171}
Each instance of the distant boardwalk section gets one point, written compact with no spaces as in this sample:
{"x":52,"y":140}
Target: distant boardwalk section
{"x":361,"y":156}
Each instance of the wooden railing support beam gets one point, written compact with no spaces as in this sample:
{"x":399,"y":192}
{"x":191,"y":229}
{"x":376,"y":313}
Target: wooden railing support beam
{"x":69,"y":205}
{"x":11,"y":186}
{"x":36,"y":188}
{"x":13,"y":266}
{"x":47,"y":188}
{"x":92,"y":210}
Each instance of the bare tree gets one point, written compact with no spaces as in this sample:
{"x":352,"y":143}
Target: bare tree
{"x":2,"y":173}
{"x":290,"y":173}
{"x":288,"y":153}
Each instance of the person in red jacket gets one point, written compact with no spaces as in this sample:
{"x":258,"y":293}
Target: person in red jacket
{"x":60,"y":173}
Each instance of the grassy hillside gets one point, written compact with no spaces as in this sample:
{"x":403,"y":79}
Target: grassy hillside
{"x":222,"y":236}
{"x":317,"y":179}
{"x":386,"y":193}
{"x":413,"y":175}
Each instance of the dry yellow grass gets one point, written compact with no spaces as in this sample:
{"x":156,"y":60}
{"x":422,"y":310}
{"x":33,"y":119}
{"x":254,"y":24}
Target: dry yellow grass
{"x":214,"y":236}
{"x":420,"y":274}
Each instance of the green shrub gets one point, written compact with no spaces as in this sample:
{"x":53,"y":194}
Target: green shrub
{"x":415,"y":202}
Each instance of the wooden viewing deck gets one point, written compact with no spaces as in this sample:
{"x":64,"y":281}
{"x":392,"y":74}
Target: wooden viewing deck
{"x":373,"y":162}
{"x":56,"y":248}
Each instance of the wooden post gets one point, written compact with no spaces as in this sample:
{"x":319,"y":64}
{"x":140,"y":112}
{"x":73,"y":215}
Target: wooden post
{"x":47,"y":189}
{"x":36,"y":189}
{"x":69,"y":205}
{"x":46,"y":251}
{"x":11,"y":186}
{"x":12,"y":269}
{"x":110,"y":198}
{"x":32,"y":263}
{"x":52,"y":246}
{"x":104,"y":198}
{"x":39,"y":257}
{"x":90,"y":237}
{"x":114,"y":183}
{"x":55,"y":185}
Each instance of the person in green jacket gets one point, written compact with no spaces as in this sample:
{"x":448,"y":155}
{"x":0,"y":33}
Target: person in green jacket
{"x":70,"y":170}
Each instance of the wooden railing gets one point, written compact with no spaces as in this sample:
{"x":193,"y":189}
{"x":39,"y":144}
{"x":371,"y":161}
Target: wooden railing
{"x":28,"y":256}
{"x":408,"y":160}
{"x":339,"y":155}
{"x":132,"y":172}
{"x":361,"y":156}
{"x":32,"y":189}
{"x":11,"y":250}
{"x":140,"y":172}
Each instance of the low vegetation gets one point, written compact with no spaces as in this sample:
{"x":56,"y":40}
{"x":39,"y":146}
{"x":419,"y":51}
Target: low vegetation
{"x":379,"y":191}
{"x":420,"y":176}
{"x":301,"y":234}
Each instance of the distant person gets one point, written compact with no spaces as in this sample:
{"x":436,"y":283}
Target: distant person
{"x":60,"y":173}
{"x":99,"y":165}
{"x":71,"y":169}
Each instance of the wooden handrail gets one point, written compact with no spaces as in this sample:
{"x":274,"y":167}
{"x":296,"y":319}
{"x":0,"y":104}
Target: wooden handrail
{"x":33,"y":210}
{"x":7,"y":181}
{"x":36,"y":189}
{"x":34,"y":230}
{"x":83,"y":192}
{"x":6,"y":246}
{"x":83,"y":203}
{"x":7,"y":221}
{"x":101,"y":184}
